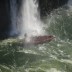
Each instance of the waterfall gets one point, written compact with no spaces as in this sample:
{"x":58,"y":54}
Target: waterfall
{"x":69,"y":2}
{"x":30,"y":21}
{"x":13,"y":14}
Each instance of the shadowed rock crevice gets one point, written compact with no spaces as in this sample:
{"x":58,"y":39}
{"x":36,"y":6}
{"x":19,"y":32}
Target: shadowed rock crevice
{"x":4,"y":18}
{"x":46,"y":6}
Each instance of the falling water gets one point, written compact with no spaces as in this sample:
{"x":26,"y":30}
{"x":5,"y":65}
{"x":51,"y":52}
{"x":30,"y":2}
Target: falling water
{"x":30,"y":22}
{"x":70,"y":2}
{"x":13,"y":14}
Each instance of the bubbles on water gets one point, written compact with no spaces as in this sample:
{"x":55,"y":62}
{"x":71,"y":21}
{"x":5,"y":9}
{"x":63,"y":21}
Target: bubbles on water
{"x":66,"y":61}
{"x":58,"y":45}
{"x":54,"y":70}
{"x":53,"y":56}
{"x":42,"y":48}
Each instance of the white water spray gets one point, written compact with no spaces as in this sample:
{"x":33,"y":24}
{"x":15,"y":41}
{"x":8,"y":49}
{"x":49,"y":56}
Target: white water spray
{"x":70,"y":2}
{"x":31,"y":24}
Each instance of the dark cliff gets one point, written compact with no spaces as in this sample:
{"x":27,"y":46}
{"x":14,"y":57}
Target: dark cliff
{"x":4,"y":18}
{"x":46,"y":6}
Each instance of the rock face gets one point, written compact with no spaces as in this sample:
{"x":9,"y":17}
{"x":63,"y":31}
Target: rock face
{"x":4,"y":18}
{"x":41,"y":39}
{"x":45,"y":7}
{"x":35,"y":40}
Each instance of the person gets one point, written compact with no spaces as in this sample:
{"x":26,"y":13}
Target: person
{"x":25,"y":37}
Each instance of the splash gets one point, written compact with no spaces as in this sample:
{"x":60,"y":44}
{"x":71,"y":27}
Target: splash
{"x":30,"y":22}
